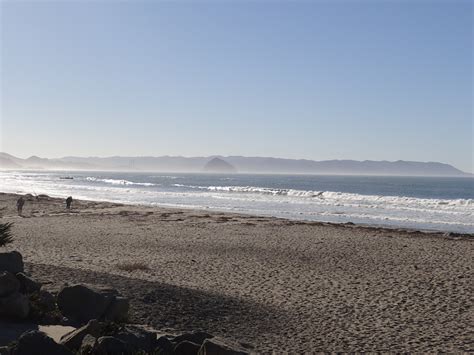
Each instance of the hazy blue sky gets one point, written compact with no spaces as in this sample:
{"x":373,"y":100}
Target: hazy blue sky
{"x":319,"y":80}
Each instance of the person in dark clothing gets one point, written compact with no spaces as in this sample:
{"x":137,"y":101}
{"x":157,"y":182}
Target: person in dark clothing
{"x":19,"y":205}
{"x":68,"y":202}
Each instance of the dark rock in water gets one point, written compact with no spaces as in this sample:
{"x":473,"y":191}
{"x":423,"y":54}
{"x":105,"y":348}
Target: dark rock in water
{"x":74,"y":339}
{"x":186,"y":348}
{"x":218,"y":165}
{"x":82,"y":304}
{"x":28,"y":285}
{"x":139,"y":339}
{"x":38,"y":343}
{"x":15,"y":306}
{"x":217,"y":346}
{"x":112,"y":345}
{"x":197,"y":337}
{"x":89,"y":345}
{"x":8,"y":284}
{"x":11,"y":262}
{"x":118,"y":310}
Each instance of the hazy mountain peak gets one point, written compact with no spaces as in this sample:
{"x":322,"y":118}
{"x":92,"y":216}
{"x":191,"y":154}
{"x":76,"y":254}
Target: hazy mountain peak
{"x":218,"y":165}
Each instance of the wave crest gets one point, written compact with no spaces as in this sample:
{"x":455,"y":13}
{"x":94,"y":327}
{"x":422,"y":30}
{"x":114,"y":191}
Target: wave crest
{"x":119,"y":181}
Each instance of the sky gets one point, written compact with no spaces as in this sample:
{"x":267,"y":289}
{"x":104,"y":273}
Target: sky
{"x":376,"y":80}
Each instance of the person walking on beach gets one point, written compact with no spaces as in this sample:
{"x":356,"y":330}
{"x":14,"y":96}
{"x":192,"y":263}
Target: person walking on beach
{"x":69,"y":202}
{"x":19,"y":205}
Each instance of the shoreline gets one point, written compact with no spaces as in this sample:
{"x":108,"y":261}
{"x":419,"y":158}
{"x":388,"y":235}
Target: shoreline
{"x":281,"y":285}
{"x":359,"y":226}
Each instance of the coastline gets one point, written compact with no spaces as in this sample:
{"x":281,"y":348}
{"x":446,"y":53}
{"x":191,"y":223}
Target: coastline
{"x":282,"y":285}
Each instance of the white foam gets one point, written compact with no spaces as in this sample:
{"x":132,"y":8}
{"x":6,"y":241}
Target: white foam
{"x":401,"y":211}
{"x":119,"y":181}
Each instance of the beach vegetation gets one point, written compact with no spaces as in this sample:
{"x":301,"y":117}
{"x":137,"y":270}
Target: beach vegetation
{"x":6,"y":236}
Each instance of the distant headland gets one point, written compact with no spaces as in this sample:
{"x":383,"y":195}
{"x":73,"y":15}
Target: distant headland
{"x":233,"y":164}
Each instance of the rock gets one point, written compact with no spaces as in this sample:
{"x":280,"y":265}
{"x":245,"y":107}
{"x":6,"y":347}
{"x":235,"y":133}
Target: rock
{"x":164,"y":346}
{"x":15,"y":305}
{"x":89,"y":345}
{"x":82,"y":303}
{"x":27,"y":284}
{"x":74,"y":339}
{"x":139,"y":339}
{"x":218,"y":165}
{"x":8,"y":284}
{"x":47,"y":300}
{"x":43,"y":308}
{"x":112,"y":345}
{"x":37,"y":343}
{"x":118,"y":310}
{"x":11,"y":261}
{"x":186,"y":348}
{"x":217,"y":346}
{"x":196,"y":337}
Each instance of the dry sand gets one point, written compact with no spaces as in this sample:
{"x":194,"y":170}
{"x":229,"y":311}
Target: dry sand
{"x":280,"y":285}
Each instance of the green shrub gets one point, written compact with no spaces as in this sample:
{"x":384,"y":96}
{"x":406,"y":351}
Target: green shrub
{"x":6,"y":235}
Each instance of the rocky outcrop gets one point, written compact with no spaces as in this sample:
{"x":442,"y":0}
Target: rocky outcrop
{"x":105,"y":312}
{"x":218,"y":165}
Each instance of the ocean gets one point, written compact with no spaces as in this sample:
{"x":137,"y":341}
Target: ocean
{"x":426,"y":203}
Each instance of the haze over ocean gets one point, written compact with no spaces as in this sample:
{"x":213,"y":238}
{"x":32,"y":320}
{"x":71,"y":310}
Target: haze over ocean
{"x":383,"y":80}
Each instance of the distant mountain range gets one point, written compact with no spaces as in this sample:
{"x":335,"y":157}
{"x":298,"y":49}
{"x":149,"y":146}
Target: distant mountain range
{"x":233,"y":164}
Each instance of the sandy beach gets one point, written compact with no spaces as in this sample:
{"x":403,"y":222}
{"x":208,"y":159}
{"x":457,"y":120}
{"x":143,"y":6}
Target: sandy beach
{"x":280,"y":285}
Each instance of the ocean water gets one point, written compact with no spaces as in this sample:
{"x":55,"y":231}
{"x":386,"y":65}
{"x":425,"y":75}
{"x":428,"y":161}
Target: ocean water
{"x":428,"y":203}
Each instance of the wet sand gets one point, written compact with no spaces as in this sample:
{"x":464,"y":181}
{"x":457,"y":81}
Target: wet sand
{"x":280,"y":285}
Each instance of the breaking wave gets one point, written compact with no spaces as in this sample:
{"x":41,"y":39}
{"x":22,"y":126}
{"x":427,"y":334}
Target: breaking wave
{"x":331,"y":195}
{"x":203,"y":192}
{"x":119,"y":182}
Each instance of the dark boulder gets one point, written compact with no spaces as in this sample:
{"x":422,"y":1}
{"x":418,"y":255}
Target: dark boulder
{"x":85,"y":302}
{"x":139,"y":339}
{"x":217,"y":346}
{"x":27,"y":284}
{"x":186,"y":348}
{"x":164,"y":346}
{"x":8,"y":283}
{"x":110,"y":345}
{"x":81,"y":303}
{"x":46,"y":300}
{"x":74,"y":339}
{"x":197,"y":337}
{"x":38,"y":343}
{"x":11,"y":261}
{"x":89,"y":345}
{"x":16,"y":306}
